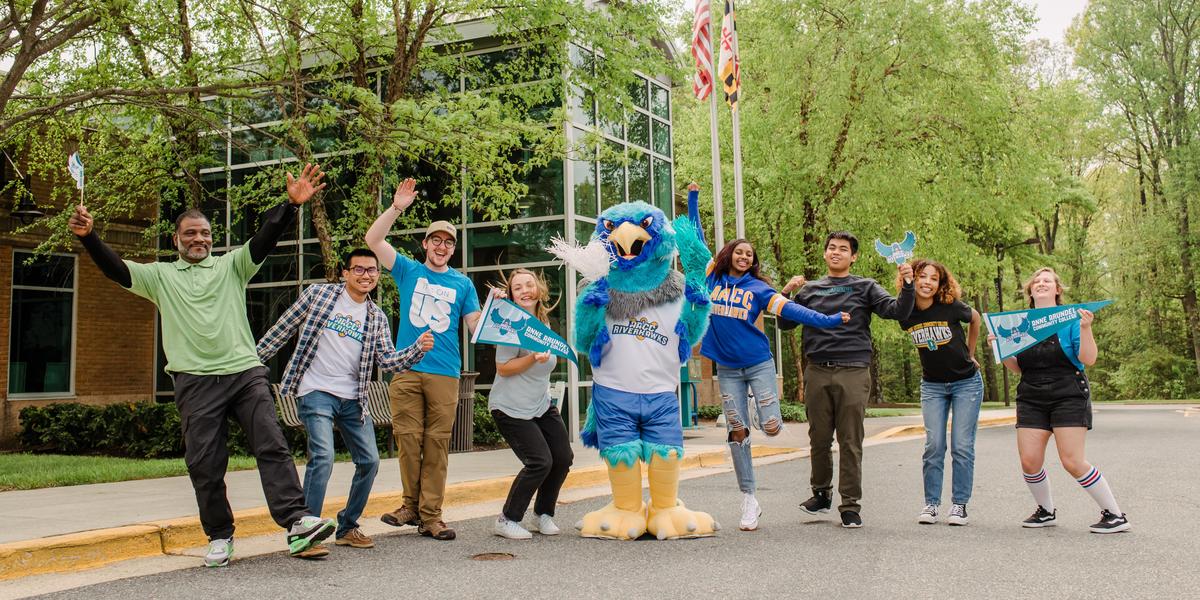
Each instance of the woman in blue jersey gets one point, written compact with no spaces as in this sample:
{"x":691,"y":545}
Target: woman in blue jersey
{"x":742,"y":355}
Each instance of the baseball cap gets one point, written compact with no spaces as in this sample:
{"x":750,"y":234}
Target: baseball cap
{"x":443,"y":226}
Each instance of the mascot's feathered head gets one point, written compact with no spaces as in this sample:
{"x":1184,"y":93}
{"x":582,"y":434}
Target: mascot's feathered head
{"x":635,"y":233}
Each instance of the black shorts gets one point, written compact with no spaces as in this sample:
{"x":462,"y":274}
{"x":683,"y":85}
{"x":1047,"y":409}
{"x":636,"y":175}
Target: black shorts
{"x":1059,"y":402}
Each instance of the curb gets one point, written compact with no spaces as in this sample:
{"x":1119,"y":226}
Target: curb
{"x":90,"y":549}
{"x":912,"y":430}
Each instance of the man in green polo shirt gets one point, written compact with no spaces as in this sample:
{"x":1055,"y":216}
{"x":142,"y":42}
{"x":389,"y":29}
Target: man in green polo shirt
{"x":201,"y":301}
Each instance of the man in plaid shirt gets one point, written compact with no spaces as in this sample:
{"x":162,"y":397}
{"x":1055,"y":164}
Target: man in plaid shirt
{"x":343,"y":336}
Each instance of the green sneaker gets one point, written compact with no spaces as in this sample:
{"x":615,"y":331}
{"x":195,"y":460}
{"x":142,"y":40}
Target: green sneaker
{"x":219,"y":553}
{"x":307,"y":532}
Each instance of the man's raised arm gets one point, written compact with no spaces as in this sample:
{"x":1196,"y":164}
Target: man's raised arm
{"x":105,"y":257}
{"x":376,"y":237}
{"x":276,"y":220}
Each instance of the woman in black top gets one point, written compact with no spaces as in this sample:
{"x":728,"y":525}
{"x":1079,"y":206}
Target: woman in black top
{"x":950,"y":381}
{"x":1054,"y":398}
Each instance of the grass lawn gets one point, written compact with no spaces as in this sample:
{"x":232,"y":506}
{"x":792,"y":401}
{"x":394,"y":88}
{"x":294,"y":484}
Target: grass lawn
{"x":32,"y":471}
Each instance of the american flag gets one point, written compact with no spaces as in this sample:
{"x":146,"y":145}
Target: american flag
{"x":702,"y":81}
{"x":728,"y":62}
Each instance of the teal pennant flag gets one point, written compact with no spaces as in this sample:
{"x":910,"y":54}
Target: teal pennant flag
{"x":503,"y":323}
{"x":1017,"y":330}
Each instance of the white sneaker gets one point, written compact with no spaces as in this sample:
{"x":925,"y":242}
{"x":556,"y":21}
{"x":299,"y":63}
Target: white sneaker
{"x":751,"y":511}
{"x":511,"y":530}
{"x":544,"y":524}
{"x":928,"y":514}
{"x":219,"y":553}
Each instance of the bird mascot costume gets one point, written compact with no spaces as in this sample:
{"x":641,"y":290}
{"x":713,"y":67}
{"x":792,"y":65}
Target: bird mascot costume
{"x":637,"y":320}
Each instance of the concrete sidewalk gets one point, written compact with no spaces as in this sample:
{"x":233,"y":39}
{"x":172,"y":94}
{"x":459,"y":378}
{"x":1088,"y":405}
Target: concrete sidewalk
{"x":90,"y":525}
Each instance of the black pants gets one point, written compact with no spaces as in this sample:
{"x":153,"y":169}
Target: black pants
{"x":205,"y":403}
{"x":542,"y":445}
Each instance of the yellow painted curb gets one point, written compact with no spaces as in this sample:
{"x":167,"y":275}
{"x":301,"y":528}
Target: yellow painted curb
{"x":906,"y":430}
{"x":78,"y":550}
{"x":172,"y":536}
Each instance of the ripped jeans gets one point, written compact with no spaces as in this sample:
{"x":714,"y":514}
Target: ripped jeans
{"x":736,"y":386}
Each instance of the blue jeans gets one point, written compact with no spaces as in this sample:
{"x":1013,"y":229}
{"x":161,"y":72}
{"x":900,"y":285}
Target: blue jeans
{"x":736,"y":386}
{"x":320,"y":411}
{"x":964,"y":397}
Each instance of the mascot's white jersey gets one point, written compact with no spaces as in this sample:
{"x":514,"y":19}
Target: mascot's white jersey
{"x":642,"y":356}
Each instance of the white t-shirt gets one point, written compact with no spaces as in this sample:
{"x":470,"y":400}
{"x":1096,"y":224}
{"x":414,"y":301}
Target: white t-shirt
{"x":334,"y":369}
{"x":525,"y":395}
{"x":642,"y":356}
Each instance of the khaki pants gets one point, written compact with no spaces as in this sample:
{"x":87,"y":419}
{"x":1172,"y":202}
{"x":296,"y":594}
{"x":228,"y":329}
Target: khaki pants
{"x":835,"y":399}
{"x":423,"y":410}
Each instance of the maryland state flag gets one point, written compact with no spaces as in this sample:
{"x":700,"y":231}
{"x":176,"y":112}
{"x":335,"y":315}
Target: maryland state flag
{"x":728,"y":63}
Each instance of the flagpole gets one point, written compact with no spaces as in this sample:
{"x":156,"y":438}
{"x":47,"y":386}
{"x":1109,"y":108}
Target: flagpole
{"x":737,"y":175}
{"x":718,"y":210}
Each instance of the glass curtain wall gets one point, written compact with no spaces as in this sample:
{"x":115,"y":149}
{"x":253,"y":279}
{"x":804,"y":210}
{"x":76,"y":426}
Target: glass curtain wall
{"x":563,"y":201}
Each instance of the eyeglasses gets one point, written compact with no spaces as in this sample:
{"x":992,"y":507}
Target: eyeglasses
{"x":438,"y":241}
{"x":357,"y":270}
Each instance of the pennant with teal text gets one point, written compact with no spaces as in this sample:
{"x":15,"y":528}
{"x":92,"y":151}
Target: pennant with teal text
{"x":1017,"y":330}
{"x":503,"y":323}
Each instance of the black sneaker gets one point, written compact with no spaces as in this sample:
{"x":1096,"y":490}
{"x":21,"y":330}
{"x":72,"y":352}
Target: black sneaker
{"x":851,"y":520}
{"x":1040,"y":518}
{"x":958,"y":515}
{"x":818,"y":504}
{"x":1110,"y":523}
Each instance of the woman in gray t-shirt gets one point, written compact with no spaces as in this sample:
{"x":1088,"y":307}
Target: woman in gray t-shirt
{"x":520,"y":404}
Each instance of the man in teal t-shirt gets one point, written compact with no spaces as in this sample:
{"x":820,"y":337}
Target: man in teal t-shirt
{"x":433,"y":297}
{"x":201,"y":301}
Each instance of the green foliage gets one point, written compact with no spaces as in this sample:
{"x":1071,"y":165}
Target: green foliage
{"x":135,"y":430}
{"x":486,"y":433}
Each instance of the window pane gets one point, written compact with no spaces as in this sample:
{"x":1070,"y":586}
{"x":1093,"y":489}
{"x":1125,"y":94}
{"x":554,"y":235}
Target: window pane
{"x":662,"y":138}
{"x":524,"y":242}
{"x":660,"y":102}
{"x":45,"y":271}
{"x":664,"y":198}
{"x":282,"y":264}
{"x":314,"y":265}
{"x":264,"y":306}
{"x":254,"y":110}
{"x":581,"y":106}
{"x":612,"y":178}
{"x":545,"y":197}
{"x":583,"y":232}
{"x":639,"y":129}
{"x":40,"y":342}
{"x":583,"y":172}
{"x":247,"y":184}
{"x":638,"y":92}
{"x":639,"y":176}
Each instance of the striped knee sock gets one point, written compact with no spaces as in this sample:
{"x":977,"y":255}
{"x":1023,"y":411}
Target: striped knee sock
{"x":1039,"y":486}
{"x":1097,"y":487}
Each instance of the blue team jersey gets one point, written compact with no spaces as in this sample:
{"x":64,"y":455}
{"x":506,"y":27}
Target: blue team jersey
{"x":437,"y":302}
{"x":733,"y":341}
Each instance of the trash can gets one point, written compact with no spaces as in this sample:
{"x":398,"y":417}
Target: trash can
{"x":463,"y":435}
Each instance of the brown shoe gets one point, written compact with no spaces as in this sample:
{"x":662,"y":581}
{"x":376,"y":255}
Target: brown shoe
{"x":355,"y":538}
{"x":316,"y":551}
{"x":436,"y":530}
{"x":400,"y":517}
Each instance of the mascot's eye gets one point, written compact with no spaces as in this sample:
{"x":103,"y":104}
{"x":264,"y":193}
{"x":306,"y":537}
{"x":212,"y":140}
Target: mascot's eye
{"x":647,"y":222}
{"x":608,"y":225}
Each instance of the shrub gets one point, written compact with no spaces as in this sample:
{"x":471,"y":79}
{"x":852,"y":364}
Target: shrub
{"x":710,"y":411}
{"x":486,"y":432}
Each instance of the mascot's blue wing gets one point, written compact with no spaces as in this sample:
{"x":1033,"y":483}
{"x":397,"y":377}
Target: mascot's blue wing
{"x":882,"y":248}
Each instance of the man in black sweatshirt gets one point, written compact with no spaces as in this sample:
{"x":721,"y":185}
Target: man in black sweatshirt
{"x":201,"y":301}
{"x":837,"y":380}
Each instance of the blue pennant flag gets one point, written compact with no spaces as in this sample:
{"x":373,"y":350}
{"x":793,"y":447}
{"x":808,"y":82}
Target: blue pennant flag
{"x":503,"y":323}
{"x":900,"y":252}
{"x":1017,"y":330}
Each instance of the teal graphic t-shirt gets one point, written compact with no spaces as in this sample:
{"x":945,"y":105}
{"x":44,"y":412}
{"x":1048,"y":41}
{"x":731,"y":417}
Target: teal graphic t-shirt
{"x":437,"y":302}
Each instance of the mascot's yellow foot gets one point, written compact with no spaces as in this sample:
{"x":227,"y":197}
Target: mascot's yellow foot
{"x":625,"y":517}
{"x":613,"y":523}
{"x":669,"y":518}
{"x":679,"y":522}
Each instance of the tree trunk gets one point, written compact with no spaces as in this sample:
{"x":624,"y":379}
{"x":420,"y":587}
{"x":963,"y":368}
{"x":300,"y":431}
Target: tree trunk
{"x":1190,"y":309}
{"x":798,"y":359}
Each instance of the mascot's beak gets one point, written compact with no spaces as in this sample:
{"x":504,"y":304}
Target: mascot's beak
{"x":629,"y":239}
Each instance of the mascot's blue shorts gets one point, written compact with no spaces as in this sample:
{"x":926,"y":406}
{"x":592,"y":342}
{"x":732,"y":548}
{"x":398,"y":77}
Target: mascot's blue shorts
{"x":624,"y":417}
